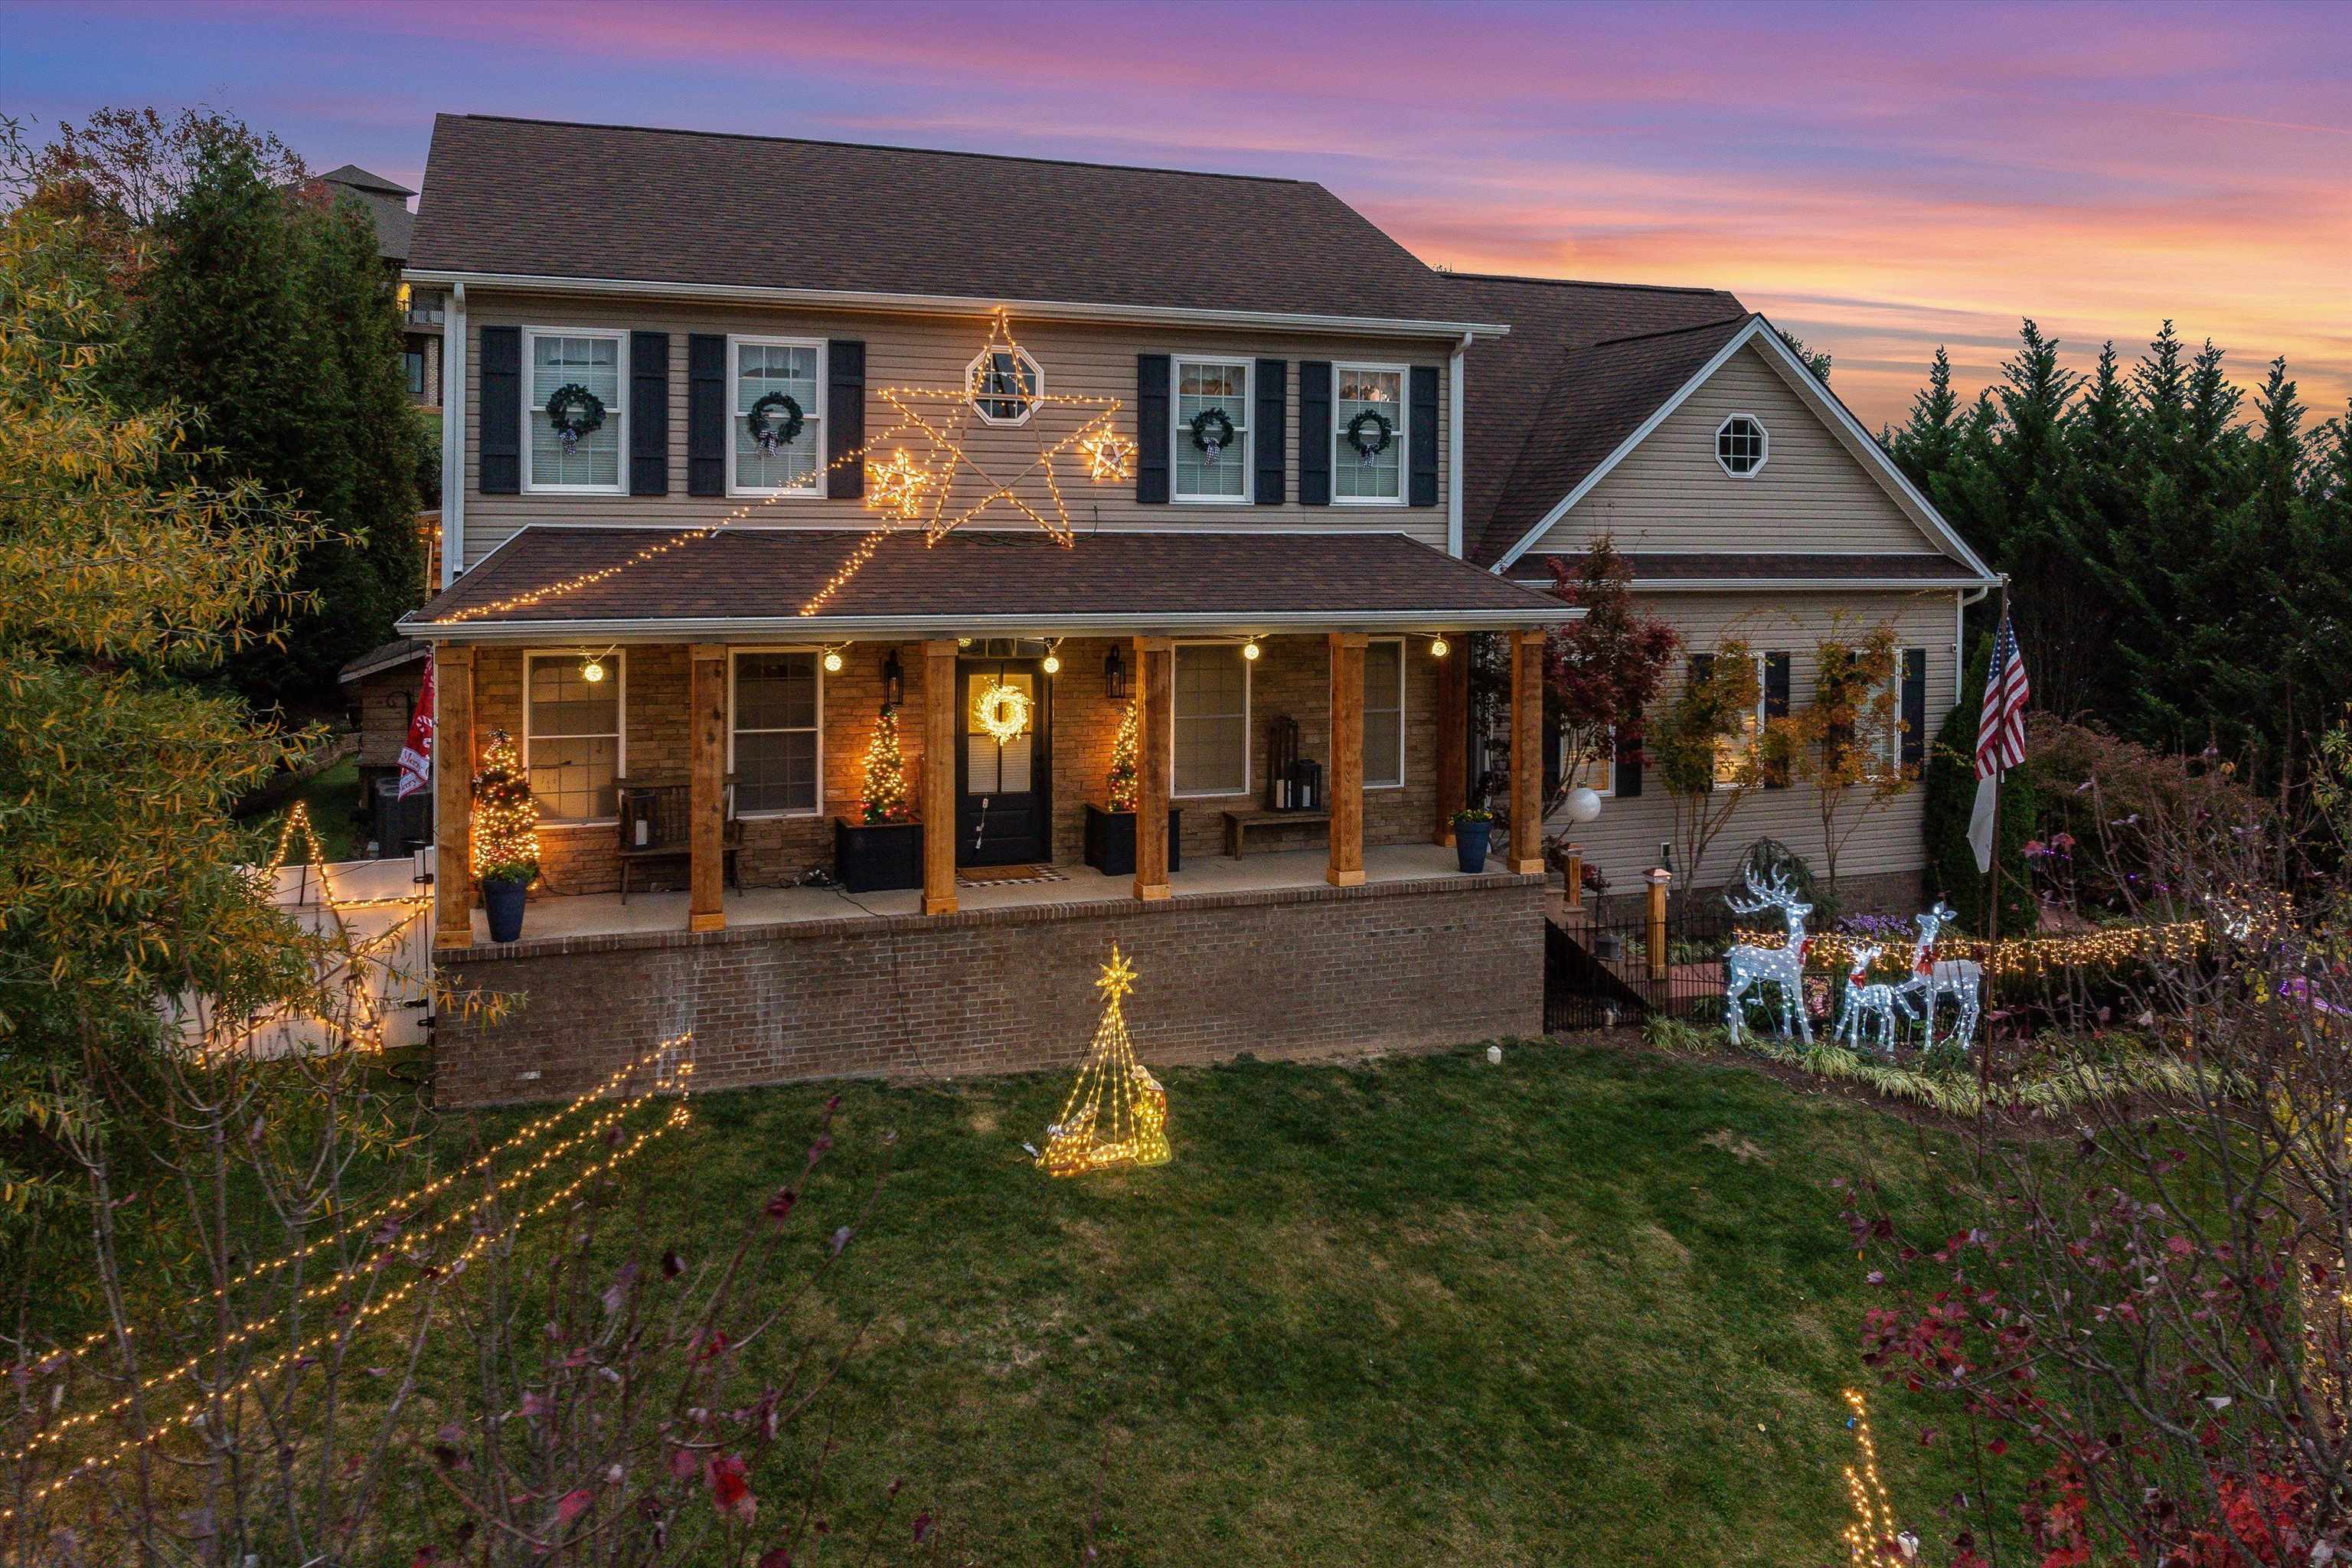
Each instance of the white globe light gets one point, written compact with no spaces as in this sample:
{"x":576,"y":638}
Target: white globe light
{"x":1583,"y":804}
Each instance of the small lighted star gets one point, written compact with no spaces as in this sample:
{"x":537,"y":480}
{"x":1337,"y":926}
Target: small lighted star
{"x":1110,"y":453}
{"x":1118,"y":977}
{"x":897,"y":485}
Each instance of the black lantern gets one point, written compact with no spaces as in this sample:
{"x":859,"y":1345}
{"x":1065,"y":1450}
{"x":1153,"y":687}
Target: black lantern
{"x":893,"y":685}
{"x":1114,"y":674}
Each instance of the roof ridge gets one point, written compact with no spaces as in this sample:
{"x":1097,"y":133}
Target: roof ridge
{"x":1584,"y":283}
{"x":1668,"y":331}
{"x":891,"y":147}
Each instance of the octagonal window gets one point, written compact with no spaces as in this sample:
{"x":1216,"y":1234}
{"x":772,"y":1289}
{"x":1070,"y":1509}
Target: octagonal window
{"x":1741,"y":445}
{"x":1005,"y":385}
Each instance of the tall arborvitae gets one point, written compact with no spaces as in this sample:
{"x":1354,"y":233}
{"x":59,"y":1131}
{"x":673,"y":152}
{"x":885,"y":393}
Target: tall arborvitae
{"x":1926,"y":443}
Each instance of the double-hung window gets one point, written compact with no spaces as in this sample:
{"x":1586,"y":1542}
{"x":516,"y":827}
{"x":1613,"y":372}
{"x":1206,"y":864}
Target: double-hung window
{"x":572,"y":733}
{"x":771,"y":379}
{"x":1888,"y":741}
{"x":1211,"y":720}
{"x":773,"y":738}
{"x":1384,"y":714}
{"x":593,"y":360}
{"x":1212,"y":435}
{"x":1732,"y":749}
{"x":1588,"y":759}
{"x":1368,"y":433}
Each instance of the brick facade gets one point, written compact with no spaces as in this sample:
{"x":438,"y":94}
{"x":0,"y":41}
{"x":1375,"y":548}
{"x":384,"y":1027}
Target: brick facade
{"x":1295,"y":972}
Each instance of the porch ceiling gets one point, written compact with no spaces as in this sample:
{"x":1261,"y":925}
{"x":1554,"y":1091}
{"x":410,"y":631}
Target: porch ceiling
{"x":605,"y":581}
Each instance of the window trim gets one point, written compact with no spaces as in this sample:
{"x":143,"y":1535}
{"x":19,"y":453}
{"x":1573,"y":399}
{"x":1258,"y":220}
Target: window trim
{"x":1609,"y":790}
{"x":618,"y":412}
{"x":1249,"y":700}
{"x":1404,"y":653}
{"x":1338,"y":432}
{"x":1763,"y":697}
{"x":620,"y":657}
{"x":1764,"y":446}
{"x":736,"y":342}
{"x":1180,"y":430}
{"x":976,"y":398}
{"x":1890,"y":754}
{"x":734,"y":652}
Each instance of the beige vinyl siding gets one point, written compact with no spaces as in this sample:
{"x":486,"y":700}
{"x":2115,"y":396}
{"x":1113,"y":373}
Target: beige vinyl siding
{"x":1623,"y":841}
{"x":1811,"y":494}
{"x":1085,"y":360}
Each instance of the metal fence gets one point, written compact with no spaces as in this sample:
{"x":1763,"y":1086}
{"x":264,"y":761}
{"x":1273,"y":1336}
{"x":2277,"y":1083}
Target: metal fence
{"x":1605,"y":971}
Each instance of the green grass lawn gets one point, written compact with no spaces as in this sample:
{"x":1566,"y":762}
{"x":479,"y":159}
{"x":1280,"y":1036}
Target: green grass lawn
{"x":1581,"y":1307}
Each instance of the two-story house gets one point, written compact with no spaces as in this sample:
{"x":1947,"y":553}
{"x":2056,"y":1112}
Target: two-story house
{"x":751,"y":442}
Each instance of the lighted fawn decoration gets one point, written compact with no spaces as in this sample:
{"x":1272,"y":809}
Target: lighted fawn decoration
{"x":1747,"y":967}
{"x":1869,"y":1002}
{"x":1932,"y":976}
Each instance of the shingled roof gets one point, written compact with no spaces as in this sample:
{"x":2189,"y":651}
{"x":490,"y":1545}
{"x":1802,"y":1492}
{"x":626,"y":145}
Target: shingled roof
{"x":975,"y":579}
{"x":545,"y":199}
{"x":387,"y":204}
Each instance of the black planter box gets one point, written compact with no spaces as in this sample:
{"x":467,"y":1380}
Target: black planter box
{"x":1111,"y":840}
{"x":877,"y":858}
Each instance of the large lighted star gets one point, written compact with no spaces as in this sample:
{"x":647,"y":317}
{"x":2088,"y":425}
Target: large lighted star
{"x":1118,"y":977}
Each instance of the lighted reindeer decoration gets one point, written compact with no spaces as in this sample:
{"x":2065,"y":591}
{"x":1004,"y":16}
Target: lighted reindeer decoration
{"x":1869,"y":1002}
{"x":1747,"y":967}
{"x":1932,"y":976}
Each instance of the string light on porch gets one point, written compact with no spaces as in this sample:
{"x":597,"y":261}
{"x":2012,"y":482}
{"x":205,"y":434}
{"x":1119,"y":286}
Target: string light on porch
{"x":1117,"y":1113}
{"x":832,"y":661}
{"x":1439,"y":648}
{"x":1052,"y":663}
{"x":1250,"y":650}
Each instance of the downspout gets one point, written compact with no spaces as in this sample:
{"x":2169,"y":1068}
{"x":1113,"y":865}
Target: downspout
{"x":453,"y":436}
{"x":1453,"y":449}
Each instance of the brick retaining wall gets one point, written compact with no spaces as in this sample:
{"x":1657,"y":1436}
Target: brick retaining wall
{"x":1293,"y":972}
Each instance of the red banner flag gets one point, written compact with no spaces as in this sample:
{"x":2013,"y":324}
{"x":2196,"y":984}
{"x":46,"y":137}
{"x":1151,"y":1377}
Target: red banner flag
{"x":417,"y":756}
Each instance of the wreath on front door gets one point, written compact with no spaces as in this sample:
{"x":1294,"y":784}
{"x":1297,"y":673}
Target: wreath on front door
{"x":1212,"y":431}
{"x":776,"y":421}
{"x":1003,"y":710}
{"x":575,"y":411}
{"x":1369,"y":434}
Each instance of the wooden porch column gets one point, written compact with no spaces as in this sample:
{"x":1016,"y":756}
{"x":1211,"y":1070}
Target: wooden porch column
{"x":1155,"y":763}
{"x":1453,"y":737}
{"x":453,"y":794}
{"x":1346,"y":867}
{"x":941,"y":709}
{"x":1526,"y":752}
{"x":706,"y":906}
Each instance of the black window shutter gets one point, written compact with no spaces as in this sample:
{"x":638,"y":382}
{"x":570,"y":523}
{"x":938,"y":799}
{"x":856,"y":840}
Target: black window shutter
{"x":501,"y":455}
{"x":1314,"y":432}
{"x":1273,"y":399}
{"x":1151,"y":429}
{"x":1915,"y":706}
{"x":1628,"y":782}
{"x":1776,"y":706}
{"x":706,"y":415}
{"x":649,"y":414}
{"x":845,"y":418}
{"x":1420,"y":451}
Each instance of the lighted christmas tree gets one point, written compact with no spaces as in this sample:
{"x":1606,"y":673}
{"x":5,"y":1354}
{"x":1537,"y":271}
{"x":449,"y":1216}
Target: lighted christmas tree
{"x":885,"y":771}
{"x":1118,"y":1113}
{"x":1123,"y":764}
{"x":506,"y":817}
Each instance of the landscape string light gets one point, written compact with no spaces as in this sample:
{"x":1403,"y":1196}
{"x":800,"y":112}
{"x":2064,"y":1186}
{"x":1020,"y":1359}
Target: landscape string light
{"x":1872,"y":1533}
{"x":2028,"y":956}
{"x":1117,"y":1113}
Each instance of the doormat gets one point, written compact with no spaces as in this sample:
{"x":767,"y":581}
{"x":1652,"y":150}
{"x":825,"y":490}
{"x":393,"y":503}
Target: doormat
{"x":1006,"y":876}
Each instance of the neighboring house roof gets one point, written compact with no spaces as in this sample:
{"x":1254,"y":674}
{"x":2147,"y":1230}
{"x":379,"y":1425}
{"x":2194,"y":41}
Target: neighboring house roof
{"x":1668,"y":570}
{"x":377,"y":660}
{"x":974,"y":580}
{"x":540,"y":199}
{"x":387,"y":204}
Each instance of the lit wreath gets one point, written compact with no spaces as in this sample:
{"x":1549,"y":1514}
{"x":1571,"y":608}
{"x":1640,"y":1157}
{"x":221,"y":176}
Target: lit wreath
{"x":575,"y":411}
{"x":1212,"y":431}
{"x":1003,"y":710}
{"x":1369,"y":434}
{"x":773,"y":433}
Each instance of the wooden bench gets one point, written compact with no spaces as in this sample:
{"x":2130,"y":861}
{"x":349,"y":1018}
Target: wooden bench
{"x":655,"y":825}
{"x":1239,"y":822}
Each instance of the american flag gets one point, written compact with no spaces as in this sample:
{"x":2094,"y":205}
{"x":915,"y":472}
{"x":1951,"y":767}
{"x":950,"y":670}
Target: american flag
{"x":2000,"y":727}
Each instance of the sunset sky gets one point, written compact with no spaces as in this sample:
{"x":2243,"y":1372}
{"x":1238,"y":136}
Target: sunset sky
{"x":1877,"y":179}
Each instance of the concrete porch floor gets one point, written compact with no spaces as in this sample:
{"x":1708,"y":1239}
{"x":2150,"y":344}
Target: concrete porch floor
{"x":603,"y":914}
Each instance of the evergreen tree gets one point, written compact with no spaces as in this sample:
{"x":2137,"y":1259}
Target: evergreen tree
{"x":1926,"y":445}
{"x":885,"y":771}
{"x":1121,"y":781}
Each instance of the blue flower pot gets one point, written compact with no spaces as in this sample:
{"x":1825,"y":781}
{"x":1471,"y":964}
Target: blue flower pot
{"x":1470,"y":840}
{"x":503,"y":903}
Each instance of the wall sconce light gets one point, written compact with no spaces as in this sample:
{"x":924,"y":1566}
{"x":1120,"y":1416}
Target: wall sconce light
{"x":1439,"y":648}
{"x":1114,"y":674}
{"x":1250,"y":650}
{"x":893,"y":682}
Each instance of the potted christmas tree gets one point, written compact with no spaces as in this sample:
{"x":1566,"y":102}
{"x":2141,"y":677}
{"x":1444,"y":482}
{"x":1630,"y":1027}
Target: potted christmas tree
{"x":882,"y":849}
{"x":1110,"y":829}
{"x":505,"y":836}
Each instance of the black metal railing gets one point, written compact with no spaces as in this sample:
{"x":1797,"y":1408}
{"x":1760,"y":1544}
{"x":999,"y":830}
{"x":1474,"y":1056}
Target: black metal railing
{"x":1604,"y":970}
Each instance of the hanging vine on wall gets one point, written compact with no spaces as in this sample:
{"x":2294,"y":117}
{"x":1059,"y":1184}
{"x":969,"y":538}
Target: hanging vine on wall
{"x":1213,"y":432}
{"x":575,"y":411}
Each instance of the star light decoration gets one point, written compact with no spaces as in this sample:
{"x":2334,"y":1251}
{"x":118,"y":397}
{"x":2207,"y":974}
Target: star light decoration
{"x":1118,"y":1113}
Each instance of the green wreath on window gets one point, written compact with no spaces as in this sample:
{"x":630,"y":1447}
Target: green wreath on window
{"x":776,"y":421}
{"x":575,"y":411}
{"x":1369,"y":434}
{"x":1212,"y":431}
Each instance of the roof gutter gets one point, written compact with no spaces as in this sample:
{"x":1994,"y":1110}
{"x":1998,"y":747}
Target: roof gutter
{"x":1773,"y":584}
{"x":1125,"y":623}
{"x":959,"y":304}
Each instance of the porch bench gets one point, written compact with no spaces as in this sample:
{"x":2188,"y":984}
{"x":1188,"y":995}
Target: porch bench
{"x":657,"y":824}
{"x":1239,"y":822}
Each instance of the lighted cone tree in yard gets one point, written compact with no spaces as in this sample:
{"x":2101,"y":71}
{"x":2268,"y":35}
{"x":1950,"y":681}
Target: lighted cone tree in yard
{"x":1121,"y":778}
{"x":1118,"y":1113}
{"x":885,"y":771}
{"x":506,"y":817}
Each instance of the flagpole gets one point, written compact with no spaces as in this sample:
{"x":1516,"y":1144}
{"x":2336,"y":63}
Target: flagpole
{"x":1992,"y":878}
